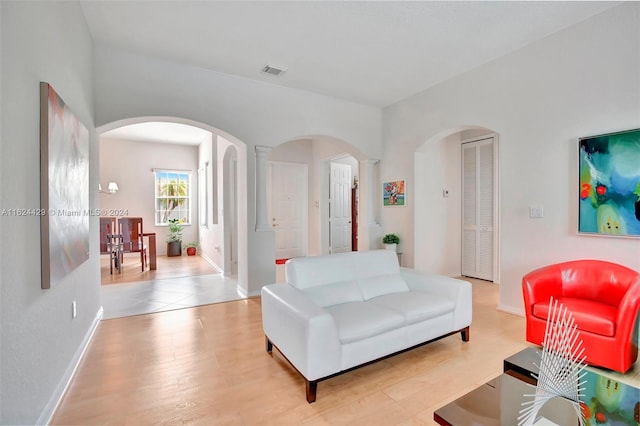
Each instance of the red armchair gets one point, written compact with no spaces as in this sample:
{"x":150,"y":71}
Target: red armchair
{"x":603,"y":298}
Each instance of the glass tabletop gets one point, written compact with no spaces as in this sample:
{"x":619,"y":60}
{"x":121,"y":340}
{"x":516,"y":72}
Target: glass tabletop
{"x":498,"y":402}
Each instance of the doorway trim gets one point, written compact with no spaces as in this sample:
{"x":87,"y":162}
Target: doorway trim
{"x":230,"y":211}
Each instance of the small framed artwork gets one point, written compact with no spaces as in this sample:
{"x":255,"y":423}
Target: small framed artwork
{"x":609,"y":184}
{"x":393,"y":193}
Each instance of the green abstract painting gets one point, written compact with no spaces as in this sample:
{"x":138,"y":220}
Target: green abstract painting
{"x":610,"y":184}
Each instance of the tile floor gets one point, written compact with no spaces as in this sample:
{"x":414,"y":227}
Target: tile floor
{"x":121,"y":300}
{"x":144,"y":297}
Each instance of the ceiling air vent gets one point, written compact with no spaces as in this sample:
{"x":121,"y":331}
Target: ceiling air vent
{"x":274,"y":71}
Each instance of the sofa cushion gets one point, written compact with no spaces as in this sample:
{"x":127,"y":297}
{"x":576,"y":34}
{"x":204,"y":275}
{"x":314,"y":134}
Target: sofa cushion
{"x":334,"y":294}
{"x":415,"y":306}
{"x":359,"y":320}
{"x":306,"y":272}
{"x":594,"y":317}
{"x":373,"y":263}
{"x":383,"y":284}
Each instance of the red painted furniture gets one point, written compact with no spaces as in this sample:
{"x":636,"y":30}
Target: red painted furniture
{"x":603,"y":298}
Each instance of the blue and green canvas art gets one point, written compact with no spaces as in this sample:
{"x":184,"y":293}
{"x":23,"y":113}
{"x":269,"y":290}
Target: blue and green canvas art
{"x":608,"y":402}
{"x":610,"y":184}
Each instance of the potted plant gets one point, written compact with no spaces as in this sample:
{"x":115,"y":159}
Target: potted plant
{"x":191,"y":248}
{"x":174,"y":238}
{"x":391,"y":241}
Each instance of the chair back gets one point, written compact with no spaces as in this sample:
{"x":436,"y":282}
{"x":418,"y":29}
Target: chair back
{"x":597,"y":280}
{"x":107,"y":228}
{"x":131,"y":230}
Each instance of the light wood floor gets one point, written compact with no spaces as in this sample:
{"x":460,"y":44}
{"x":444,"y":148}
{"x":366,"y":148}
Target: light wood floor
{"x":207,"y":365}
{"x":167,"y":267}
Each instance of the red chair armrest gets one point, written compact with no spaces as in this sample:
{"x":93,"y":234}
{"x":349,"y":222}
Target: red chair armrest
{"x":540,"y":285}
{"x":628,"y":312}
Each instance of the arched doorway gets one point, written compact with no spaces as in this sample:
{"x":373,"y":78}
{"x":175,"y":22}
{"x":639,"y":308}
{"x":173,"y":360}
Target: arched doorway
{"x":213,"y":164}
{"x":439,"y":204}
{"x":312,"y":157}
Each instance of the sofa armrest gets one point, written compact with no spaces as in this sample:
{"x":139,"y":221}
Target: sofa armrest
{"x":302,"y":331}
{"x":628,"y":313}
{"x":445,"y":286}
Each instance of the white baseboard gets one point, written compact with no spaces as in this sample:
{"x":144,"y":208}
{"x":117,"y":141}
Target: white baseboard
{"x":243,"y":293}
{"x":52,"y":405}
{"x":211,"y":262}
{"x":510,"y":310}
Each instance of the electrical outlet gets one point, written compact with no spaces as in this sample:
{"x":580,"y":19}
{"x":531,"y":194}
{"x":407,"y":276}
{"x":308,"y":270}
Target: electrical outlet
{"x":74,"y":311}
{"x":445,"y":193}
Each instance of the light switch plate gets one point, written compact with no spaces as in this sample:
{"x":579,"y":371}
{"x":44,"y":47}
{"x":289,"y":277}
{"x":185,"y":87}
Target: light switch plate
{"x":536,"y":211}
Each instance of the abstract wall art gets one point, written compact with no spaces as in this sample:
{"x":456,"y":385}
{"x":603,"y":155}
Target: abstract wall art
{"x":64,"y":188}
{"x":393,"y":193}
{"x":609,"y":191}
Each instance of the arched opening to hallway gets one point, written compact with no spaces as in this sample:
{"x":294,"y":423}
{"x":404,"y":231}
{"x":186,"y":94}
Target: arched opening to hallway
{"x":303,"y":211}
{"x":201,"y":156}
{"x":446,"y":221}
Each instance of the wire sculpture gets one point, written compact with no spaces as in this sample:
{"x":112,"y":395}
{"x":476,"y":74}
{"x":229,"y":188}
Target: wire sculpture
{"x":561,"y":366}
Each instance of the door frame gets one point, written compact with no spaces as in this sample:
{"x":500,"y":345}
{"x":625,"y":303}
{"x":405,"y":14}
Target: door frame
{"x":496,"y":201}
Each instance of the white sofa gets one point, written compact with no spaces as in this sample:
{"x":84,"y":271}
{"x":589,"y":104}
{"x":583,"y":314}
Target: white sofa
{"x":341,"y":311}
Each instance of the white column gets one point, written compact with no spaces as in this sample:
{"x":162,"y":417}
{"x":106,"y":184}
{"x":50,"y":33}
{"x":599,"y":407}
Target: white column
{"x":371,"y":188}
{"x":262,"y":213}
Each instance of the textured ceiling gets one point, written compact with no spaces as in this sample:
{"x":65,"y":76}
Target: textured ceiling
{"x":375,"y":53}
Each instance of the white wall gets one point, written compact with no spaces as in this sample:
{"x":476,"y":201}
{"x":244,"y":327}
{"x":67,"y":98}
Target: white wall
{"x":41,"y":41}
{"x":582,"y":81}
{"x":255,"y":113}
{"x":438,"y":225}
{"x":129,"y":164}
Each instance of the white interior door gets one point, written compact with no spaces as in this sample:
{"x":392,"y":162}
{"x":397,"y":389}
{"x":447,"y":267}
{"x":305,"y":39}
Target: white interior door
{"x":478,"y":209}
{"x":288,"y":207}
{"x":340,"y":208}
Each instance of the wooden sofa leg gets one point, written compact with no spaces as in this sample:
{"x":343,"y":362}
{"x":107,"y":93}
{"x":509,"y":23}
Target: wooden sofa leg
{"x":312,"y":388}
{"x":268,"y":344}
{"x":465,"y":334}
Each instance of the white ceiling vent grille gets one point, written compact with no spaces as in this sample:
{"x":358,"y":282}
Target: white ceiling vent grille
{"x":274,"y":71}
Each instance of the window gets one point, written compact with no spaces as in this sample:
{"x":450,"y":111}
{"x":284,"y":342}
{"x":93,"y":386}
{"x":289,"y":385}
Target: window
{"x":172,"y":189}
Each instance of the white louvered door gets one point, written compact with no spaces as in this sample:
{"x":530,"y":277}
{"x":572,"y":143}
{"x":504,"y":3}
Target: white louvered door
{"x":477,"y":209}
